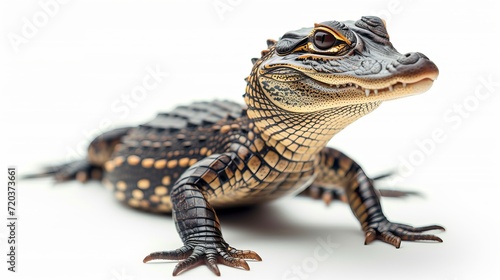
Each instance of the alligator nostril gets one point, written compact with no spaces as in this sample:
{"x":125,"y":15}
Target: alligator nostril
{"x":409,"y":58}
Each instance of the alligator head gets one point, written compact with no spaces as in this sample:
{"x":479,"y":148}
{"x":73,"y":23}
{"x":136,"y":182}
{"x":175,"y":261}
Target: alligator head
{"x":339,"y":69}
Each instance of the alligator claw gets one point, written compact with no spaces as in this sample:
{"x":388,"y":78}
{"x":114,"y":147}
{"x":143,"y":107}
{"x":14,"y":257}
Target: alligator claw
{"x":394,"y":233}
{"x":210,"y":255}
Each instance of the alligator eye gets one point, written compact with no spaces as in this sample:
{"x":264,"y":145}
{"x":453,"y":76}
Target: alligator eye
{"x":323,"y":40}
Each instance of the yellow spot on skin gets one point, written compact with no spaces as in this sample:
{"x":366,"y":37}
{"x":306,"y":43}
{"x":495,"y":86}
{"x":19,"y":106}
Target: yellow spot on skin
{"x":203,"y":151}
{"x":181,"y":136}
{"x":147,"y":162}
{"x":225,"y":128}
{"x":157,"y":144}
{"x":109,"y":166}
{"x":172,"y":163}
{"x":160,"y":164}
{"x":166,"y":180}
{"x":154,"y":198}
{"x":144,"y":204}
{"x":146,"y":143}
{"x":118,"y":161}
{"x":137,"y":194}
{"x":164,"y":208}
{"x":121,"y":185}
{"x":133,"y":160}
{"x":143,"y":184}
{"x":120,"y":196}
{"x":133,"y":202}
{"x":192,"y":161}
{"x":183,"y":162}
{"x":161,"y":190}
{"x":166,"y":200}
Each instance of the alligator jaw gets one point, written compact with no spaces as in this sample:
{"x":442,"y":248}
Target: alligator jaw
{"x":392,"y":91}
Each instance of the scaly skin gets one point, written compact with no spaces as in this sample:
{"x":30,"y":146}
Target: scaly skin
{"x":304,"y":89}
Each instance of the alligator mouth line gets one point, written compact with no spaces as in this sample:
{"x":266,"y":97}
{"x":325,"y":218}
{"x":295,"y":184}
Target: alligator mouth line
{"x":393,"y":86}
{"x":367,"y":91}
{"x":352,"y":93}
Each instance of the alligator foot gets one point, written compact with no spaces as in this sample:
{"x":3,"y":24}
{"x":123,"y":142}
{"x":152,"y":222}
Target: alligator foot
{"x":393,"y":233}
{"x":210,"y":254}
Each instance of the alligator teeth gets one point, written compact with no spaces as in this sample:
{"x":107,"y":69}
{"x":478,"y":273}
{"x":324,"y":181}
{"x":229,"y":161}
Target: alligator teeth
{"x":367,"y":91}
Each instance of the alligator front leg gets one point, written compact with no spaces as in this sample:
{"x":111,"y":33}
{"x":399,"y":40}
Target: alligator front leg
{"x":365,"y":205}
{"x":336,"y":169}
{"x":196,"y":221}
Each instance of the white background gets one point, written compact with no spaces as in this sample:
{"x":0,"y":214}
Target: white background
{"x":64,"y":78}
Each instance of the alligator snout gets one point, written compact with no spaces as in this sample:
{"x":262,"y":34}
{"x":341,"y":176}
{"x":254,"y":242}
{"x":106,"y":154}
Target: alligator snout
{"x":411,"y":58}
{"x":414,"y":64}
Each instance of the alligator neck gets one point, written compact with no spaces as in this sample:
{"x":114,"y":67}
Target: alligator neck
{"x":297,"y":136}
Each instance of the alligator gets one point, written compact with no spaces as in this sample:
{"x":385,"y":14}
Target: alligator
{"x":305,"y":88}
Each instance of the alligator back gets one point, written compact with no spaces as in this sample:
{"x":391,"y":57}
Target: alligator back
{"x":151,"y":157}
